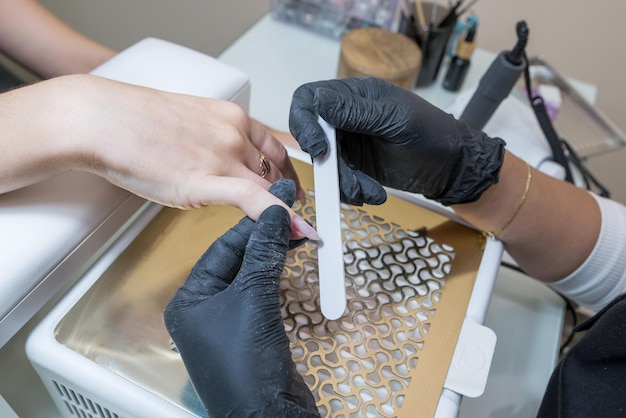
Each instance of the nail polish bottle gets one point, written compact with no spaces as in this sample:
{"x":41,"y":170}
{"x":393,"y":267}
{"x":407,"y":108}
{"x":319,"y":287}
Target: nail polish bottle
{"x":460,"y":63}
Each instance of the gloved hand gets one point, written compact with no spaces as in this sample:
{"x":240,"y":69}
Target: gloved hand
{"x":391,"y":136}
{"x":226,"y":322}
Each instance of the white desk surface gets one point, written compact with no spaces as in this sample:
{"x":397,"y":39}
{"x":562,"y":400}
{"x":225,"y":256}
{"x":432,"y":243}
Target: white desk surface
{"x":526,"y":315}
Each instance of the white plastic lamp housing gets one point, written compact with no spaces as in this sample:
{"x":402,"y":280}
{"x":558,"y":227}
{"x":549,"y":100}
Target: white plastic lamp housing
{"x":171,"y":67}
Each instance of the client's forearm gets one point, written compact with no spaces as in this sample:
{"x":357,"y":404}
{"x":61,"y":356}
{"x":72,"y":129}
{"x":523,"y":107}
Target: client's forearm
{"x":555,"y":228}
{"x":30,"y":151}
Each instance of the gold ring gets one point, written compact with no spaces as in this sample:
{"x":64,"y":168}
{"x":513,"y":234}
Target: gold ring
{"x":264,"y":165}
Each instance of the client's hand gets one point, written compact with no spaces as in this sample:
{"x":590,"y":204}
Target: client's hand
{"x":174,"y":149}
{"x":227,"y":326}
{"x":390,"y":135}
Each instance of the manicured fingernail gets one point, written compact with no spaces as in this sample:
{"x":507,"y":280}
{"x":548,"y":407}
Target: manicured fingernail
{"x":305,"y":229}
{"x":301,"y":196}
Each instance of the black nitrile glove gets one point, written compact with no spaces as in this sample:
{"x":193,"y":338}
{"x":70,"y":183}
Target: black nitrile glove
{"x":391,"y":136}
{"x":227,"y":326}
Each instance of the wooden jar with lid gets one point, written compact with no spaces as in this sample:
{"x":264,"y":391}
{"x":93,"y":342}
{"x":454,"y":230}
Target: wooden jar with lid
{"x":380,"y":53}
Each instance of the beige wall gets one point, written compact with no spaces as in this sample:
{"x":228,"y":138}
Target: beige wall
{"x":206,"y":25}
{"x":579,"y":39}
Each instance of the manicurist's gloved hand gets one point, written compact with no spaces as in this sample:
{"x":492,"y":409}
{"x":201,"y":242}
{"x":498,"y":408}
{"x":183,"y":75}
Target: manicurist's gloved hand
{"x":391,"y":135}
{"x":227,"y":326}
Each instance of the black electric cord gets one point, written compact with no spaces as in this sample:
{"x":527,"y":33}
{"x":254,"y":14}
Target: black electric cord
{"x":562,"y":152}
{"x":511,"y":266}
{"x":590,"y":180}
{"x":538,"y":105}
{"x":569,"y":307}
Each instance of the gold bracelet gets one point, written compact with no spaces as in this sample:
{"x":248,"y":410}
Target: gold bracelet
{"x":494,"y":234}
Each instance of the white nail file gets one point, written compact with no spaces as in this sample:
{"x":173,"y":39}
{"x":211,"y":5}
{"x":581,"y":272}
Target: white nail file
{"x":331,"y":271}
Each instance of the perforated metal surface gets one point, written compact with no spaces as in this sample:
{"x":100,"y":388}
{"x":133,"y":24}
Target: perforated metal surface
{"x":360,"y":364}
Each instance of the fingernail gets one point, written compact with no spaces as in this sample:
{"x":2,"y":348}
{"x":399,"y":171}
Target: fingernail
{"x":303,"y":227}
{"x":301,"y":196}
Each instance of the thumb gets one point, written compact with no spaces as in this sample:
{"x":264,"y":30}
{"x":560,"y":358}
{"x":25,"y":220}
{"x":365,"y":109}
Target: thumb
{"x":221,"y":262}
{"x":267,"y":248}
{"x":357,"y":187}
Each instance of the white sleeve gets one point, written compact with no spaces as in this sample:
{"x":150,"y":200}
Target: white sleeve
{"x":602,"y":276}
